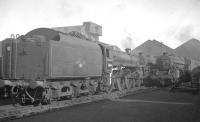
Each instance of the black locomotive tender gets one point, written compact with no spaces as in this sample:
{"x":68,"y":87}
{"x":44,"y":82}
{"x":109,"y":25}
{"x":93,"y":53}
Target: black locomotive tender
{"x":45,"y":65}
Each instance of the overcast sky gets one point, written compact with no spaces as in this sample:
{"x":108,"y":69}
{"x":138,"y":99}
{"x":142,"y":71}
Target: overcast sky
{"x":126,"y":23}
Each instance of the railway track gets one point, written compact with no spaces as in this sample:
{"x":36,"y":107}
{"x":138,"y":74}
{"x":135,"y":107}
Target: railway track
{"x":16,"y":111}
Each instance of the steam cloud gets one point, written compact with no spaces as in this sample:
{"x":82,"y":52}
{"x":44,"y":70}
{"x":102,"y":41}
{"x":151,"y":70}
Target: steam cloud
{"x":184,"y":34}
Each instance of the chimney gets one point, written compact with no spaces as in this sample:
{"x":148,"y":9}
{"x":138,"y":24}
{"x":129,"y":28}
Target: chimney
{"x":128,"y":50}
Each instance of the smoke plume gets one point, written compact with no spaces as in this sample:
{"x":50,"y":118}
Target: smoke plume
{"x":127,"y":42}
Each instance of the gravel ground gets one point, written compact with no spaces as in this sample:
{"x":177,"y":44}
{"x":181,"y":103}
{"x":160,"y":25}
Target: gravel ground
{"x":155,"y":106}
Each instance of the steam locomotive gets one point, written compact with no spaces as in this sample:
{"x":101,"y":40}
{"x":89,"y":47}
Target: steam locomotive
{"x":161,"y":74}
{"x":45,"y":65}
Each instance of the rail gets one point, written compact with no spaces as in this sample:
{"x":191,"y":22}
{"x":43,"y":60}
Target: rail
{"x":16,"y":111}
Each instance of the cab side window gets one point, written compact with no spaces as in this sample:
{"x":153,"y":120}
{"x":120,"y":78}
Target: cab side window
{"x":107,"y":53}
